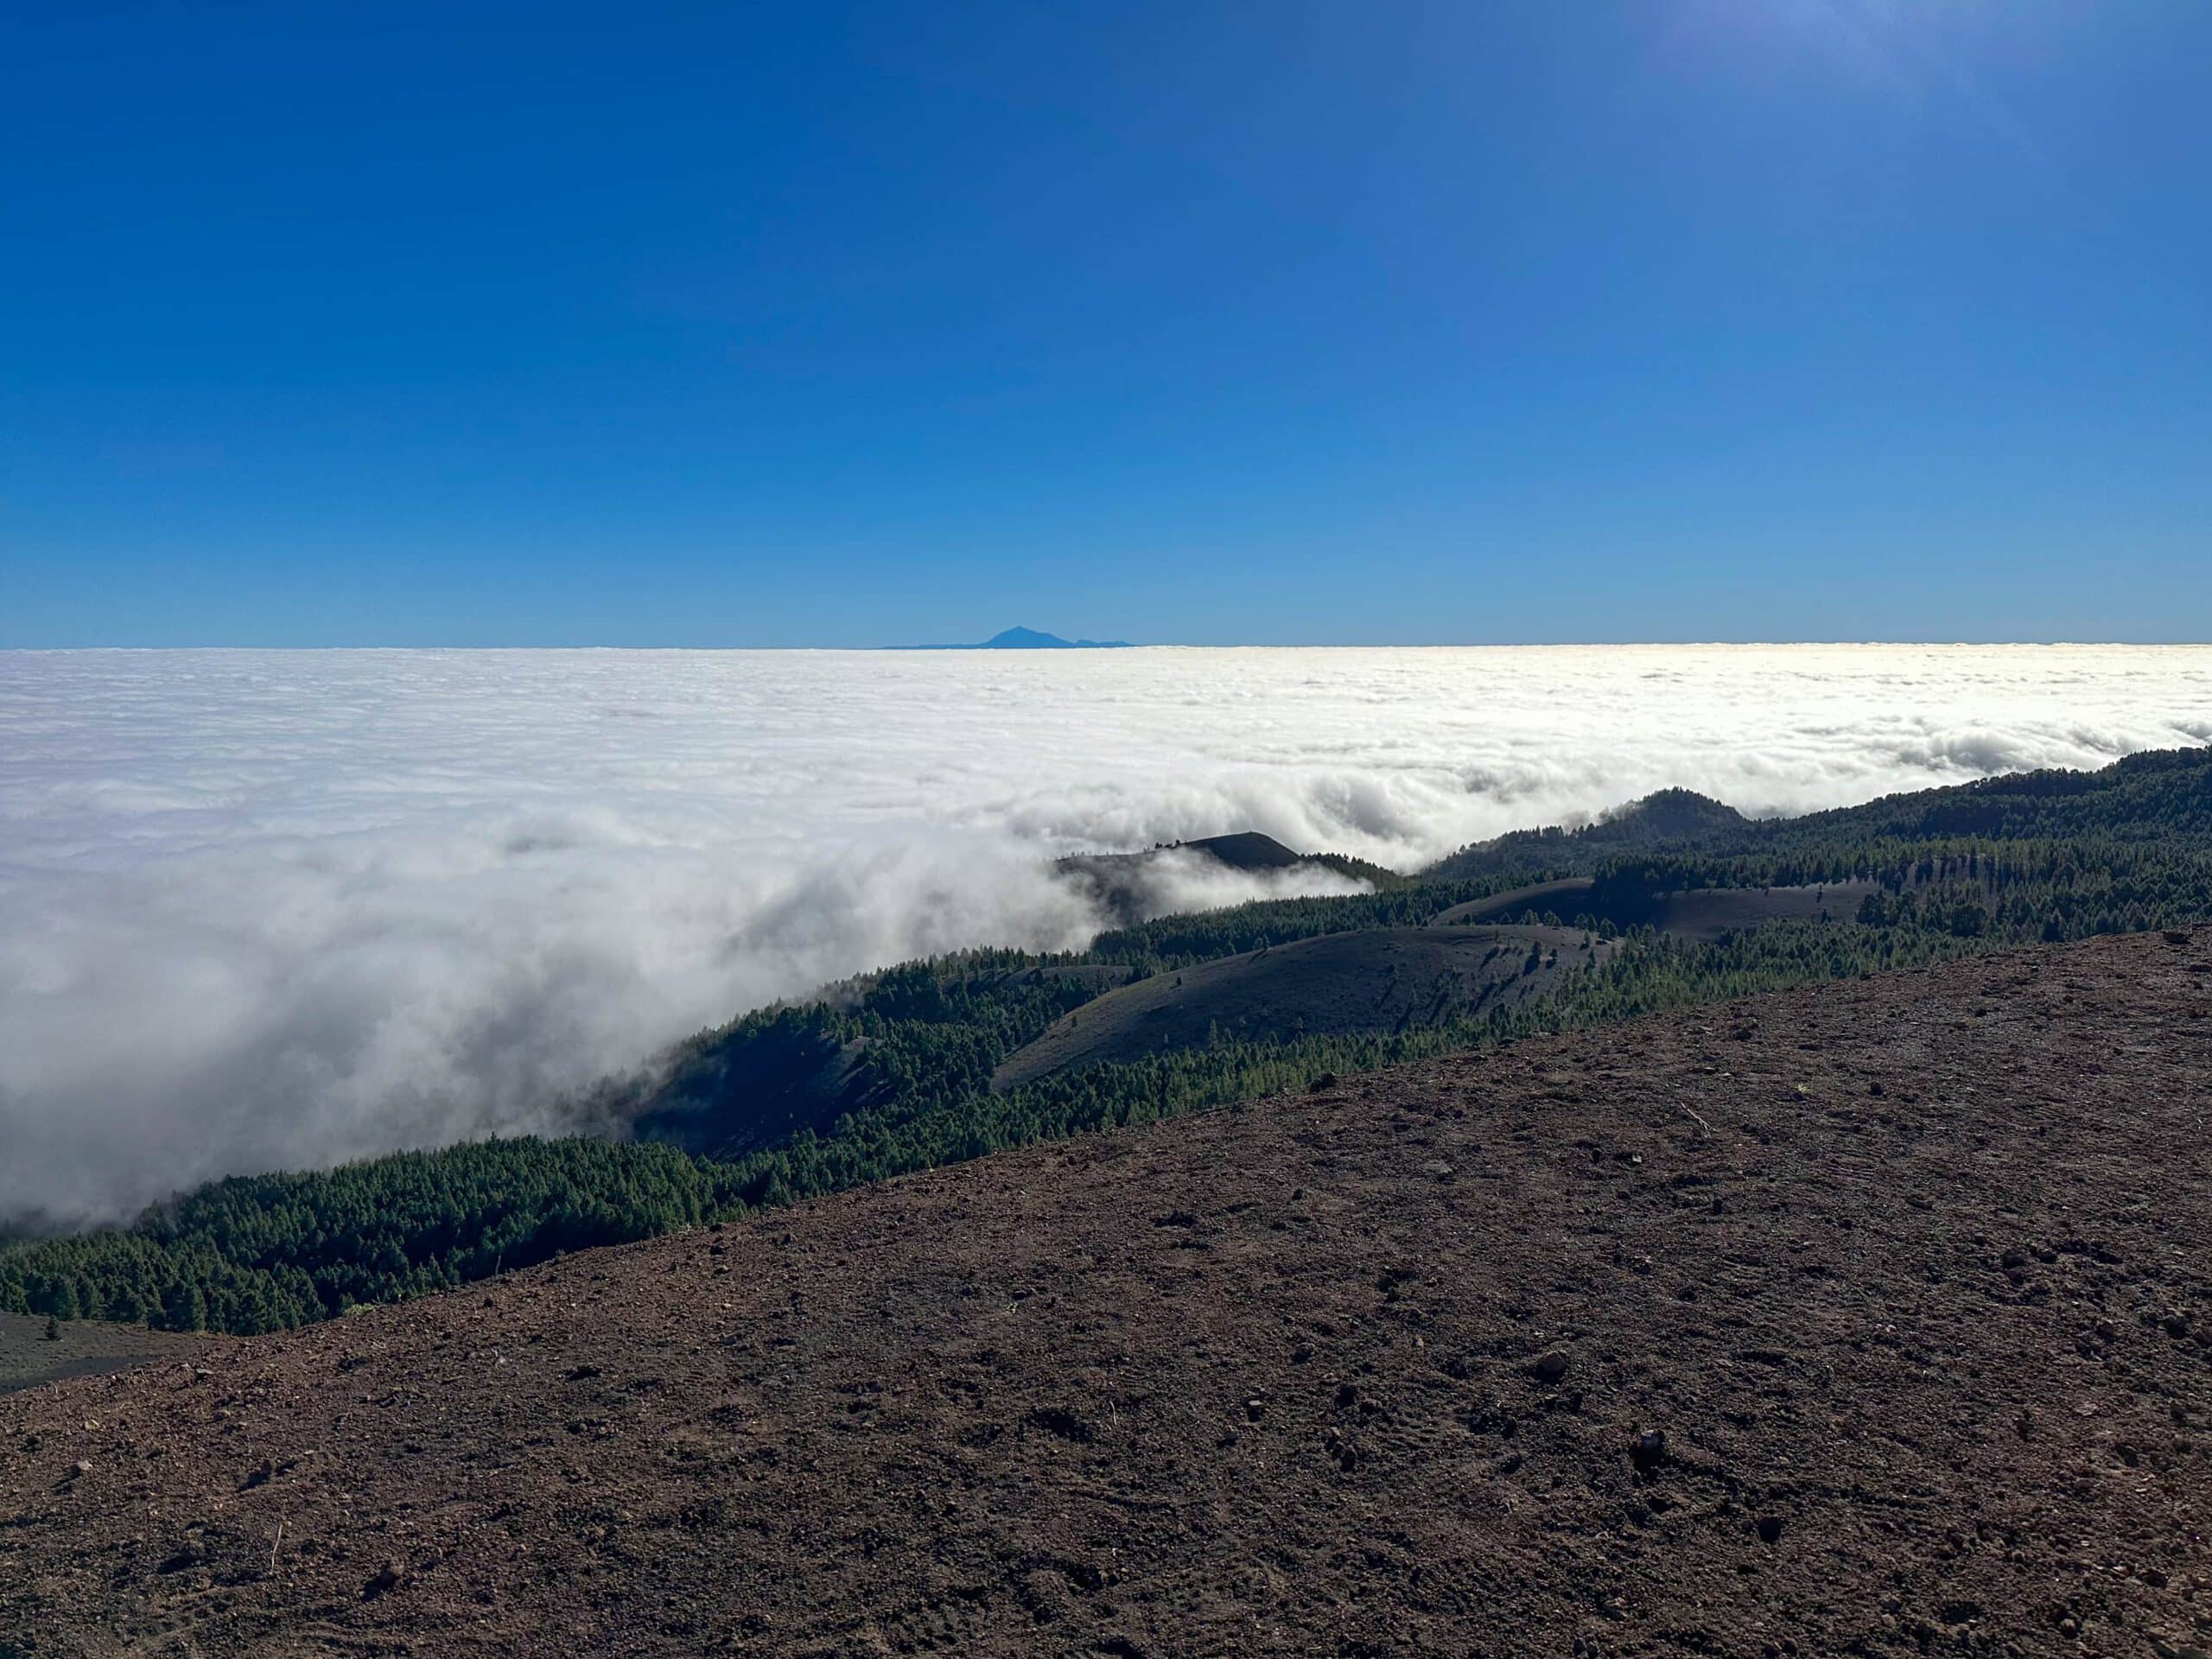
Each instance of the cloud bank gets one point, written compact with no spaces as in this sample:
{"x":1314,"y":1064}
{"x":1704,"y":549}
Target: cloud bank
{"x":264,"y":910}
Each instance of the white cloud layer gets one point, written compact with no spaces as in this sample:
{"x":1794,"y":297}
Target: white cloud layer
{"x":272,"y":909}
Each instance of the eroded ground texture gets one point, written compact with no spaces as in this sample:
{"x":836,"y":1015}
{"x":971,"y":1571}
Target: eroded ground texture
{"x":1871,"y":1318}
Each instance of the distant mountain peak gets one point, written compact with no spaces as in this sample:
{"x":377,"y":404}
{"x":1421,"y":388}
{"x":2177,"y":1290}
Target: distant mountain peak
{"x":1028,"y":639}
{"x":1031,"y":639}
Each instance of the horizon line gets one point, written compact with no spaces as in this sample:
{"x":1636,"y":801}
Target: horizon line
{"x":1314,"y":645}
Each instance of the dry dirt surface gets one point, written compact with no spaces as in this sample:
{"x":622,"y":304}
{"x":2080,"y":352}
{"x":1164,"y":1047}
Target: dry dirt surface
{"x":1868,"y":1319}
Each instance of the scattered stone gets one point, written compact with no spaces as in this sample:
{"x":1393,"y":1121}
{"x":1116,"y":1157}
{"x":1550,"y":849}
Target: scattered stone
{"x":1649,"y":1450}
{"x":1549,"y":1366}
{"x":389,"y":1577}
{"x":1769,"y":1529}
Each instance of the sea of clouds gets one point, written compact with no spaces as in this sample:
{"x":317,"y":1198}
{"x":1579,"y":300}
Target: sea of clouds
{"x":263,"y":910}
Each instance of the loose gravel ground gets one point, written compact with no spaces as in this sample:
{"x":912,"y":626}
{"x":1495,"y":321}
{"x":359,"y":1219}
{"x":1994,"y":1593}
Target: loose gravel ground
{"x":1871,"y":1318}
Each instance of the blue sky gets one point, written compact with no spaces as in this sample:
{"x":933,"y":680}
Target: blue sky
{"x":840,"y":325}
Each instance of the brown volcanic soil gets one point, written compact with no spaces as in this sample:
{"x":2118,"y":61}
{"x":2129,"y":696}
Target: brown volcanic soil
{"x":1911,"y":1272}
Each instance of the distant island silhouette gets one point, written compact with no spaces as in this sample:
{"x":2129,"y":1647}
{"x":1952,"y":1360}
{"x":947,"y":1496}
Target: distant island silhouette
{"x":1026,"y":639}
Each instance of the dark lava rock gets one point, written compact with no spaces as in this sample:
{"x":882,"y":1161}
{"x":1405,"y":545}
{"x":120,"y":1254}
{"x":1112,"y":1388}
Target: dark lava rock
{"x":1549,"y":1366}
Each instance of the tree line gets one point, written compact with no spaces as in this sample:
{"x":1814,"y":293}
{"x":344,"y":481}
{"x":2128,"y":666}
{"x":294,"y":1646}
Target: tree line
{"x":2049,"y":859}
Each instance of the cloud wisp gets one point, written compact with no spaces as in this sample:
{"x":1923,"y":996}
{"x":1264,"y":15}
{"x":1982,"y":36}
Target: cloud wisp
{"x":265,"y":910}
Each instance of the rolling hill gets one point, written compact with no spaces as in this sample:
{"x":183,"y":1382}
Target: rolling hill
{"x":1865,"y":1318}
{"x":1673,"y":820}
{"x":1377,"y":979}
{"x":1704,"y":915}
{"x":2141,"y":796}
{"x":758,"y":1084}
{"x":1120,"y":885}
{"x":727,"y":1099}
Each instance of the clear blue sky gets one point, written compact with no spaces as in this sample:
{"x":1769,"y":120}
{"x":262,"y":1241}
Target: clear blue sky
{"x":814,"y":323}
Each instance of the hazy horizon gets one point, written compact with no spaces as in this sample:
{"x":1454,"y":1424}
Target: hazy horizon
{"x":1810,"y":643}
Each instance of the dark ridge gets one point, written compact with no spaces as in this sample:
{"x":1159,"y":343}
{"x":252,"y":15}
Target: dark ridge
{"x":1247,"y":850}
{"x":727,"y":1099}
{"x":2153,"y":796}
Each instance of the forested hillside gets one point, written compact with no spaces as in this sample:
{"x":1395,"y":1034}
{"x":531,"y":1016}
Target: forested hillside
{"x":2044,"y":856}
{"x":2149,"y":796}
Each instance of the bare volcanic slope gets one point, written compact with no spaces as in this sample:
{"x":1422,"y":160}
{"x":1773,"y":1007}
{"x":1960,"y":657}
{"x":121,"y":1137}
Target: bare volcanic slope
{"x":80,"y":1348}
{"x":1377,"y":979}
{"x":1698,"y":914}
{"x":1571,"y":892}
{"x":1871,"y":1318}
